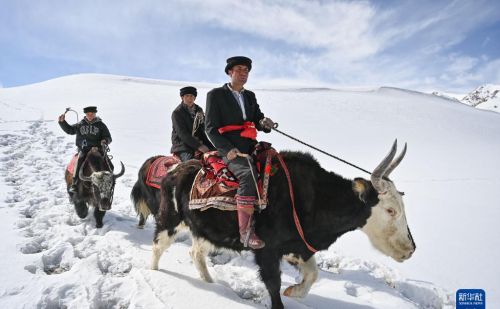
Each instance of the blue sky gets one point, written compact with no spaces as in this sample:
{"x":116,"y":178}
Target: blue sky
{"x":421,"y":45}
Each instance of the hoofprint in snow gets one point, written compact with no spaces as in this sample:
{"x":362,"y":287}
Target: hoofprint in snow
{"x":70,"y":263}
{"x":449,"y":177}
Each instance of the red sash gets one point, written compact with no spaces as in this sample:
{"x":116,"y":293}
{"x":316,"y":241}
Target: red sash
{"x":248,"y":129}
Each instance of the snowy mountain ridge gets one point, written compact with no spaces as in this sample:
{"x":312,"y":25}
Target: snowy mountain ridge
{"x":485,"y":97}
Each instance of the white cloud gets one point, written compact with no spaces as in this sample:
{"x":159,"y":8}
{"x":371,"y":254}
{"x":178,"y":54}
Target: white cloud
{"x":461,"y":64}
{"x":334,"y":42}
{"x":342,"y":28}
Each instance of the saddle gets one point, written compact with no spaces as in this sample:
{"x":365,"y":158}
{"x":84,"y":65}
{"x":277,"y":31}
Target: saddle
{"x":72,"y":163}
{"x":159,"y":169}
{"x":74,"y":160}
{"x":215,"y":185}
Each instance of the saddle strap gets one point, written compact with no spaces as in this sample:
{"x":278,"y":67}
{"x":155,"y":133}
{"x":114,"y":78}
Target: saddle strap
{"x":295,"y":216}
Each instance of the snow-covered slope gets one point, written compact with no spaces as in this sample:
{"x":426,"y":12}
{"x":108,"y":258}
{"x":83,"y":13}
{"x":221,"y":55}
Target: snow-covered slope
{"x":53,"y":259}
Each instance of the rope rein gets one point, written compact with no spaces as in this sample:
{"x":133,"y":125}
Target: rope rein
{"x":199,"y":119}
{"x":294,"y":211}
{"x":68,"y":109}
{"x":275,"y":128}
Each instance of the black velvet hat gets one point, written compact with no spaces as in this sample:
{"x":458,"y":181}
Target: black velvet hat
{"x":231,"y":62}
{"x":92,"y":109}
{"x":189,"y":90}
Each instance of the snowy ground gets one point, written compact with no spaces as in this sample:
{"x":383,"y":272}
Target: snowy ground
{"x":53,"y":259}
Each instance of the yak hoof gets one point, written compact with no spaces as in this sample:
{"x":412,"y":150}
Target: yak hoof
{"x":98,"y":225}
{"x":207,"y":279}
{"x":293,"y":291}
{"x":141,"y":227}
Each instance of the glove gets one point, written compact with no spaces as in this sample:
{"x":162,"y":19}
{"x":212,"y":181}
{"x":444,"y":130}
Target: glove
{"x":203,"y":148}
{"x":267,"y":123}
{"x":232,"y":154}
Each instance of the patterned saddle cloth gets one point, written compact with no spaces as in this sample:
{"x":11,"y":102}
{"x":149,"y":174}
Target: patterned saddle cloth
{"x":159,"y":169}
{"x":215,"y":185}
{"x":72,"y":164}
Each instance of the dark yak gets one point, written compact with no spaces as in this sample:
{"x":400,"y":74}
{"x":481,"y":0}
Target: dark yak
{"x":327,"y":204}
{"x":145,"y":198}
{"x":96,"y":186}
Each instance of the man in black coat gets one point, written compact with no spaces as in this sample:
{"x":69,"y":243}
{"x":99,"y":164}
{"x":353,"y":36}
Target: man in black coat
{"x":188,"y":128}
{"x":90,"y":132}
{"x":232,"y":120}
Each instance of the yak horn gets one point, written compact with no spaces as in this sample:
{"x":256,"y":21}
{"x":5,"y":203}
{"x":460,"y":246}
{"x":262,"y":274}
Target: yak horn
{"x":82,"y":177}
{"x":395,"y":162}
{"x":379,"y":171}
{"x":120,"y":174}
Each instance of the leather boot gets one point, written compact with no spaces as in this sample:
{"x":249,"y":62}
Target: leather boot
{"x":74,"y":183}
{"x":246,"y":231}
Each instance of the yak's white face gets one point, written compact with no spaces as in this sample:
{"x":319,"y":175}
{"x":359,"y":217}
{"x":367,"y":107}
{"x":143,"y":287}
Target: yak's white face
{"x":387,"y":228}
{"x":102,"y":186}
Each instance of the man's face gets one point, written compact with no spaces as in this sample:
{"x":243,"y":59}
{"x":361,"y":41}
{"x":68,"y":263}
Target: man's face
{"x":239,"y":74}
{"x":188,"y":99}
{"x":90,"y":115}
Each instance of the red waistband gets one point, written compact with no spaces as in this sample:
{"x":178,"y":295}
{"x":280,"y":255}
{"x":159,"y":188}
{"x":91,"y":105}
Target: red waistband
{"x":248,"y":129}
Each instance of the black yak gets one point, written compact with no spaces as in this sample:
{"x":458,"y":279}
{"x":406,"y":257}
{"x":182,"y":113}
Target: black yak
{"x":327,"y":205}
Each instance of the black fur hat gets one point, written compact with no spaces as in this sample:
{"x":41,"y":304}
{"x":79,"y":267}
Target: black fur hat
{"x":236,"y":60}
{"x":189,"y":90}
{"x":92,"y":109}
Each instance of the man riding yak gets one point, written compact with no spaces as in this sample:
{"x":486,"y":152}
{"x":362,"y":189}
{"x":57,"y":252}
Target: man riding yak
{"x":231,"y":123}
{"x":90,"y":132}
{"x":188,"y":132}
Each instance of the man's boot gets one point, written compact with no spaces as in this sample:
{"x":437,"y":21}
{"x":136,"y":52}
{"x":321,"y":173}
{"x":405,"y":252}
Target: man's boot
{"x":247,"y":234}
{"x":73,"y":188}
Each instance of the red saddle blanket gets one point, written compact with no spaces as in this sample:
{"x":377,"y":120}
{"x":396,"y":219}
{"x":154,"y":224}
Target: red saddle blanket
{"x":72,"y":164}
{"x":215,"y":185}
{"x":159,"y":169}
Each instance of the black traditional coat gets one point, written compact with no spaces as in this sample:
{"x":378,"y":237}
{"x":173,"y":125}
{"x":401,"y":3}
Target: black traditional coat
{"x":183,"y":139}
{"x":222,"y":110}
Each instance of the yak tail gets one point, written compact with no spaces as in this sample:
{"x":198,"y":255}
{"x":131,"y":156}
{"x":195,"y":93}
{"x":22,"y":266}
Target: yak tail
{"x":140,"y":205}
{"x":136,"y":196}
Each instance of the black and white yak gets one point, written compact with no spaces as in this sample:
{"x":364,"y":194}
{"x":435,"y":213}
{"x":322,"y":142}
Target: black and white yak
{"x":95,"y":188}
{"x":327,"y":204}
